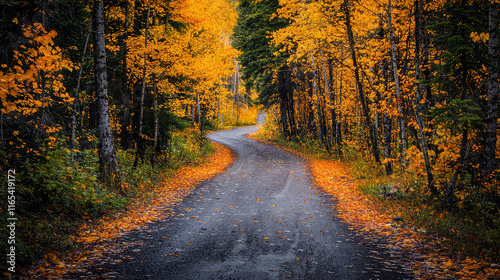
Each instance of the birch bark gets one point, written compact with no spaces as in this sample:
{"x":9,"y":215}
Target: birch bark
{"x":107,"y":157}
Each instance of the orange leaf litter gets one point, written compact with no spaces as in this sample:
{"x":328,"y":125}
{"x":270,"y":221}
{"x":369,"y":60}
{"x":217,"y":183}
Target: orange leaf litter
{"x":97,"y":239}
{"x":367,"y":217}
{"x":356,"y":209}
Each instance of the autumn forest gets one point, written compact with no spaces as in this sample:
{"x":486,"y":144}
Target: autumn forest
{"x":104,"y":101}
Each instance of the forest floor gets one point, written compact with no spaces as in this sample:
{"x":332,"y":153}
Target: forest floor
{"x":102,"y":236}
{"x":425,"y":255}
{"x":261,"y":219}
{"x":375,"y":219}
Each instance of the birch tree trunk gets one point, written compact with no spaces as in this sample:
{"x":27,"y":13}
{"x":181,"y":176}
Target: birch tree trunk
{"x":402,"y":123}
{"x":107,"y":157}
{"x":491,"y":125}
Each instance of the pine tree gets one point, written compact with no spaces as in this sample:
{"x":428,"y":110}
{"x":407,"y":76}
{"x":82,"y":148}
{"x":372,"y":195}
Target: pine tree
{"x":263,"y":69}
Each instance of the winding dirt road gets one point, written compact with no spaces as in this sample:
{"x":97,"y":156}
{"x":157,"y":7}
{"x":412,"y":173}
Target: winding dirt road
{"x":261,"y":219}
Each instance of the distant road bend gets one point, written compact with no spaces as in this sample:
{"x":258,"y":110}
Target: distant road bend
{"x":261,"y":219}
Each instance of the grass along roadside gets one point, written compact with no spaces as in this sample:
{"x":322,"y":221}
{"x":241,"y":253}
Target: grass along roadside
{"x":99,"y":237}
{"x":427,"y":253}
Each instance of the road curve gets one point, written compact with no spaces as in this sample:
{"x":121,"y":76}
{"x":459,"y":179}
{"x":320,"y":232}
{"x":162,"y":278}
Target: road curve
{"x":261,"y":219}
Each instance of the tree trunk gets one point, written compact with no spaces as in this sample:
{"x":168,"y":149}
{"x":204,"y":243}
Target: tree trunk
{"x":193,"y":116}
{"x":107,"y":157}
{"x":463,"y":155}
{"x":234,"y":86}
{"x":125,"y":96}
{"x":366,"y":110}
{"x":402,"y":123}
{"x":387,"y":124}
{"x":283,"y":98}
{"x":218,"y":106}
{"x":237,"y":93}
{"x":200,"y":124}
{"x":430,"y":177}
{"x":491,"y":123}
{"x":77,"y":92}
{"x":318,"y":106}
{"x":338,"y":133}
{"x":156,"y":123}
{"x":330,"y":95}
{"x":387,"y":143}
{"x":333,"y":112}
{"x":291,"y":113}
{"x":140,"y":139}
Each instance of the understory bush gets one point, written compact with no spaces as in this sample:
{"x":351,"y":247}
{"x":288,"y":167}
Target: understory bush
{"x":55,"y":195}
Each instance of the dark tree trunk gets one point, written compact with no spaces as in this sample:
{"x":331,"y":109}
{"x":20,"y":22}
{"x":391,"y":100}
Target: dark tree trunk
{"x":140,"y":138}
{"x":77,"y":92}
{"x":463,"y":155}
{"x":491,"y":123}
{"x":402,"y":123}
{"x":125,"y":96}
{"x":387,"y":143}
{"x":366,"y":110}
{"x":283,"y":97}
{"x":387,"y":125}
{"x":338,"y":128}
{"x":318,"y":106}
{"x":416,"y":103}
{"x":107,"y":157}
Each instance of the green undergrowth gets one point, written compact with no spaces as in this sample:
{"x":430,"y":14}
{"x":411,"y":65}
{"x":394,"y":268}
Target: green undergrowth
{"x":55,"y":195}
{"x":469,"y":228}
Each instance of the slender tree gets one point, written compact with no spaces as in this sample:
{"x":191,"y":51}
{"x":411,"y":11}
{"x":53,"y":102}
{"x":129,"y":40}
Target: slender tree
{"x":107,"y":157}
{"x":366,"y":111}
{"x":416,"y":101}
{"x":492,"y":118}
{"x":140,"y":137}
{"x":402,"y":123}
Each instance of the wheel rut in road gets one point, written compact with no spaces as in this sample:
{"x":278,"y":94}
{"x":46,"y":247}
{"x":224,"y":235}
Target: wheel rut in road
{"x":261,"y":219}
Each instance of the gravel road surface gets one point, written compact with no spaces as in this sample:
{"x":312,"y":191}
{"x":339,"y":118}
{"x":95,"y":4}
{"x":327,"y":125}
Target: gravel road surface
{"x":261,"y":219}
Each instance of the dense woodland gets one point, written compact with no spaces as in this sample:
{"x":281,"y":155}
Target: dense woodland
{"x":415,"y":84}
{"x":405,"y":89}
{"x":99,"y":97}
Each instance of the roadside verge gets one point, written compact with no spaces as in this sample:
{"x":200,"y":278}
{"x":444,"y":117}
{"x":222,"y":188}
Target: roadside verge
{"x":102,"y":235}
